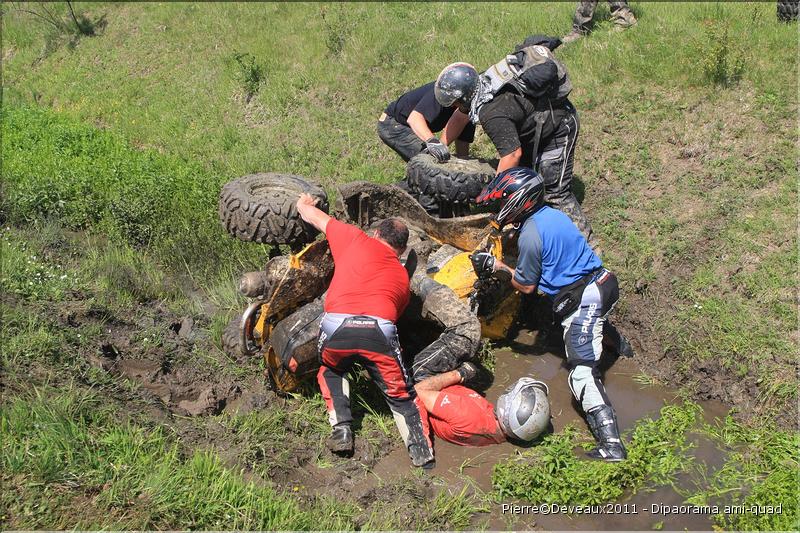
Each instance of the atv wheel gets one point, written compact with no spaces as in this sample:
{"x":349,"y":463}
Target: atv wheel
{"x":231,"y":339}
{"x":458,"y":181}
{"x":788,"y":10}
{"x":261,"y":208}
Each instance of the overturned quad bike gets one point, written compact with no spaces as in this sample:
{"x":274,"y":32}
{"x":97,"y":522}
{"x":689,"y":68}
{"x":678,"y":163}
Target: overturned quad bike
{"x":450,"y":309}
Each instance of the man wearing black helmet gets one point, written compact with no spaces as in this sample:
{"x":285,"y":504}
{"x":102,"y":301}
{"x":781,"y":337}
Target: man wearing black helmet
{"x":408,"y":124}
{"x":522,"y":105}
{"x":555,"y":258}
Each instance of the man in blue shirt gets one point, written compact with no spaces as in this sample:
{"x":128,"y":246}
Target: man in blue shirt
{"x":555,"y":257}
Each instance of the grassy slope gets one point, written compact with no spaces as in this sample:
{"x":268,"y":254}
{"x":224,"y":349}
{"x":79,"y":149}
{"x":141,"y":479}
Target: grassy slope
{"x":692,"y":187}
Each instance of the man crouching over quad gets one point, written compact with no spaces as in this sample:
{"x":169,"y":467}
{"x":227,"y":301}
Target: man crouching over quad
{"x":368,"y":292}
{"x":555,"y":257}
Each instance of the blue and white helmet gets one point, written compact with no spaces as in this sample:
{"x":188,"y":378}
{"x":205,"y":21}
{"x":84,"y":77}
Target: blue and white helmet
{"x":523,"y":411}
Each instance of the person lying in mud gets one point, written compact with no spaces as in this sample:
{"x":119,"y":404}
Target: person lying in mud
{"x":555,"y":257}
{"x":368,"y":292}
{"x":462,"y":416}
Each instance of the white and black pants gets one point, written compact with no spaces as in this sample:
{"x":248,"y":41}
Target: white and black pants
{"x":585,"y":332}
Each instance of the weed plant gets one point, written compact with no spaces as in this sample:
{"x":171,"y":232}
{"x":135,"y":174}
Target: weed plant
{"x":552,"y":472}
{"x":762,"y":467}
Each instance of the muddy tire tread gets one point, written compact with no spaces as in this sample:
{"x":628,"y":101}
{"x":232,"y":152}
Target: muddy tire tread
{"x":427,"y":176}
{"x":261,"y":208}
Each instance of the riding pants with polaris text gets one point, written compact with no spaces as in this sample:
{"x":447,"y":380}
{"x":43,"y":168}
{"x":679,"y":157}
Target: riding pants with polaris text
{"x":585,"y":331}
{"x":372,"y":342}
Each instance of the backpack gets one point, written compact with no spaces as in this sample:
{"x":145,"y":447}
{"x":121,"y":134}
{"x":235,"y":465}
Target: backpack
{"x":533,"y":70}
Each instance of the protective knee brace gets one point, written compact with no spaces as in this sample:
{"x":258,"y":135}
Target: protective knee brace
{"x":587,"y":388}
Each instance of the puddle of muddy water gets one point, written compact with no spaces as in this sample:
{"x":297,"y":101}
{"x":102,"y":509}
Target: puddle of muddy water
{"x":632,"y":401}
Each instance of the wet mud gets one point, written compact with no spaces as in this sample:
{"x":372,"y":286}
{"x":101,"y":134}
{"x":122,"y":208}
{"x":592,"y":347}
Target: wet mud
{"x":187,"y":387}
{"x":632,"y":402}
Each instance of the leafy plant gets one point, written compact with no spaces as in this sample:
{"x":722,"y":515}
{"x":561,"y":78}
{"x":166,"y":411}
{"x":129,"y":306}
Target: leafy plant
{"x":551,"y":472}
{"x":249,"y":73}
{"x":722,"y":57}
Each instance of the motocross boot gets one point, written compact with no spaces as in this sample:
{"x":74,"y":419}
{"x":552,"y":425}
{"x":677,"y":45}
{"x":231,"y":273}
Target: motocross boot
{"x":467,"y":371}
{"x":624,"y":349}
{"x":603,"y":423}
{"x":421,"y":456}
{"x":341,"y":440}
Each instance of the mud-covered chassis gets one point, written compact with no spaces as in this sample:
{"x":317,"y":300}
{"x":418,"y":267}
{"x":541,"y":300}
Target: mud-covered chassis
{"x":443,"y":323}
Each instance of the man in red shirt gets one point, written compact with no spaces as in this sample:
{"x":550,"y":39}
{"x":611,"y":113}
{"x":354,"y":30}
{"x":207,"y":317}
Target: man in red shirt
{"x":368,"y":292}
{"x":462,"y":416}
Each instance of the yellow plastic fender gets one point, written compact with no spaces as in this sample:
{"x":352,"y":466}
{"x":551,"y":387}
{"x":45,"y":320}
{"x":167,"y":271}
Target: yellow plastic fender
{"x":459,"y":275}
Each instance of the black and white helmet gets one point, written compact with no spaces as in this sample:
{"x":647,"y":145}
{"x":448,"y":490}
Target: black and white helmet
{"x":456,"y":84}
{"x":523,"y":411}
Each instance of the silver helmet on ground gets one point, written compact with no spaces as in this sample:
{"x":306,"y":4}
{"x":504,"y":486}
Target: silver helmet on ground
{"x":523,"y":411}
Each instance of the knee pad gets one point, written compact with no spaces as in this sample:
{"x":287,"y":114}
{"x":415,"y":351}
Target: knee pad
{"x":586,"y":387}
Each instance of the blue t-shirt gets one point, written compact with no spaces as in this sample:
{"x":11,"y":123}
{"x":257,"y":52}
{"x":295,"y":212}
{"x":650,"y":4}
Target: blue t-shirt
{"x":552,"y":252}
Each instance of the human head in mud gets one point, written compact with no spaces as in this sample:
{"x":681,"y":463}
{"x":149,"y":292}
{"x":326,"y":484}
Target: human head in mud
{"x":393,"y":232}
{"x":460,"y":415}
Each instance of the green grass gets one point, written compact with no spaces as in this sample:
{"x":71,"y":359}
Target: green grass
{"x":762,"y":468}
{"x":687,"y":157}
{"x":64,"y":450}
{"x":551,"y":472}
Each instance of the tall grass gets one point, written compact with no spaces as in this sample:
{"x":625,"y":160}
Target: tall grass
{"x":137,"y":474}
{"x":86,"y":178}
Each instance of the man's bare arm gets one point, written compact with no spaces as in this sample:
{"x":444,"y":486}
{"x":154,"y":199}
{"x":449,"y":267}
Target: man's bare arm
{"x":510,"y":160}
{"x":309,"y":212}
{"x":428,"y":389}
{"x":419,"y":126}
{"x":454,"y":127}
{"x":526,"y":289}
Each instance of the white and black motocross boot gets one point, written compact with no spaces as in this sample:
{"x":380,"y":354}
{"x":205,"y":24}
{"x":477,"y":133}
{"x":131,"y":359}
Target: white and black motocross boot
{"x":603,"y":423}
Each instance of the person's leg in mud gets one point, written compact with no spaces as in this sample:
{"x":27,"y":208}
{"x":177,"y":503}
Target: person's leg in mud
{"x":555,"y":162}
{"x":411,"y":417}
{"x":335,"y":388}
{"x":583,"y":340}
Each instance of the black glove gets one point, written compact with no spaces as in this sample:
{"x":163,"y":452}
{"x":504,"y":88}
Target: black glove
{"x":438,"y":150}
{"x":482,"y":264}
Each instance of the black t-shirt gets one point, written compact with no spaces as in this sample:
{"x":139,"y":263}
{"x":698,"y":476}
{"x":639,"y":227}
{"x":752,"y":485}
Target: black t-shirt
{"x":423,"y":101}
{"x":508,"y":119}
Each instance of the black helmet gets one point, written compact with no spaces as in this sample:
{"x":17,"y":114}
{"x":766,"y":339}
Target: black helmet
{"x":456,"y":83}
{"x":520,"y":191}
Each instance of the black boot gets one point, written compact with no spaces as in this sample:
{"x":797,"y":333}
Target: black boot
{"x":421,"y":456}
{"x":341,"y":440}
{"x":603,"y":423}
{"x":467,"y":371}
{"x":624,"y":349}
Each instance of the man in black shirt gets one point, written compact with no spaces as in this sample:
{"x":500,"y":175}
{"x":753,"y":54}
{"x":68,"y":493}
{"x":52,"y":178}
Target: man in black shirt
{"x":408,"y":124}
{"x":537,"y":132}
